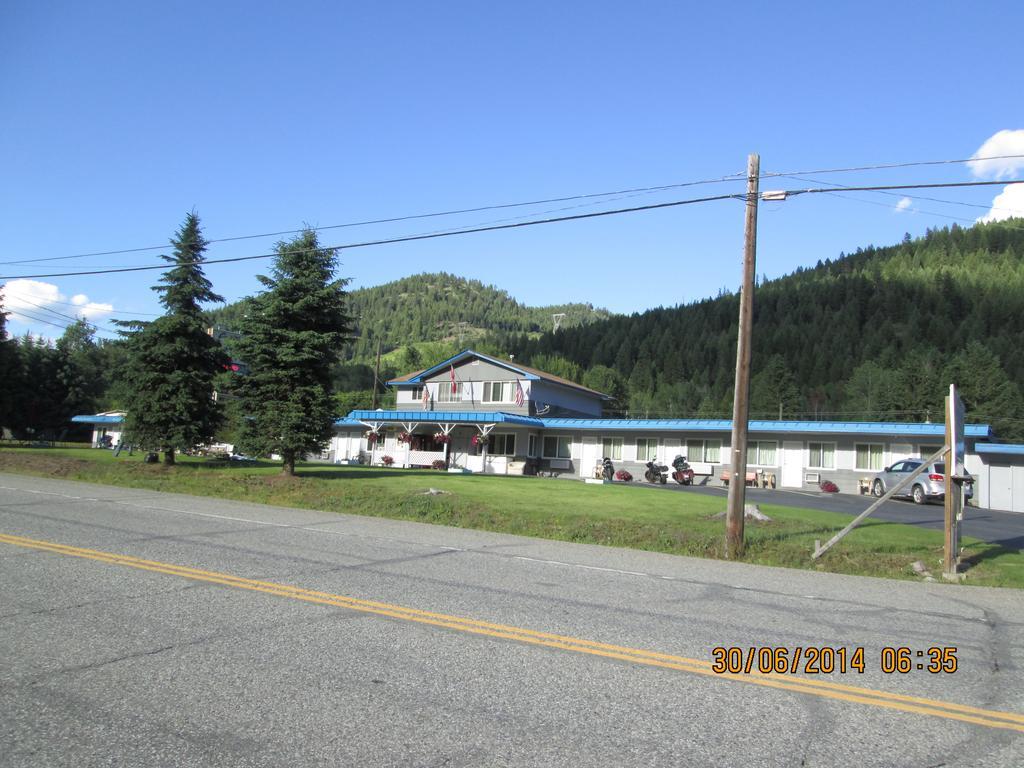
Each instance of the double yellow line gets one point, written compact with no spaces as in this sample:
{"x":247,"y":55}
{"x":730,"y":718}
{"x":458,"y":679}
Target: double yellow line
{"x":823,"y":688}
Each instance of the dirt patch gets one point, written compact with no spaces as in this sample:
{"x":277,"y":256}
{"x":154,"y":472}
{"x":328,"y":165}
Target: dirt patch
{"x":42,"y":464}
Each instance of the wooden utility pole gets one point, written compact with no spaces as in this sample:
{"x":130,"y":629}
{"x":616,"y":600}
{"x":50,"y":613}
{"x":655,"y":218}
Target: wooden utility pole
{"x":954,"y":499}
{"x":376,"y":378}
{"x":734,"y":542}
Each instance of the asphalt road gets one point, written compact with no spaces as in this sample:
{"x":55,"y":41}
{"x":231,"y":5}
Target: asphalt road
{"x":139,"y":628}
{"x":1003,"y":528}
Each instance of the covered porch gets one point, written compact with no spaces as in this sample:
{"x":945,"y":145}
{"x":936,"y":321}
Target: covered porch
{"x":457,"y":441}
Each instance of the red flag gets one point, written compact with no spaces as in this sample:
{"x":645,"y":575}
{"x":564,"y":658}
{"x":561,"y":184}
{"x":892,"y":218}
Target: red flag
{"x":426,"y":396}
{"x":453,"y":379}
{"x":519,"y":393}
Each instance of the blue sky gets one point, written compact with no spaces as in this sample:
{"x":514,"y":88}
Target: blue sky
{"x":119,"y":118}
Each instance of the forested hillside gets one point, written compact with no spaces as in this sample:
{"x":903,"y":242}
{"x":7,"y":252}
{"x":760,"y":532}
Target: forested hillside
{"x":875,"y":335}
{"x":439,"y":307}
{"x":419,"y":320}
{"x":878,"y":334}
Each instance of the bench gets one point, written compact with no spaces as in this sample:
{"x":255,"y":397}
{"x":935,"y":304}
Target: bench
{"x":726,"y":475}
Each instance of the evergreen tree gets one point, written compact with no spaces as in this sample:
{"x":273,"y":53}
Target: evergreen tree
{"x":172,"y":361}
{"x":873,"y":392}
{"x":774,"y":392}
{"x":290,"y":340}
{"x":988,"y":393}
{"x":80,"y":369}
{"x":38,"y":396}
{"x":10,"y":364}
{"x":557,"y":365}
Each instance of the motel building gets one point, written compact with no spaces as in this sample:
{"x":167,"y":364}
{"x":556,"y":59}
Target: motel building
{"x":476,"y":413}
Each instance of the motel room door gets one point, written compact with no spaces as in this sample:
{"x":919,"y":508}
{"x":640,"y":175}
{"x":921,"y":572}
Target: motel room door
{"x":792,"y":464}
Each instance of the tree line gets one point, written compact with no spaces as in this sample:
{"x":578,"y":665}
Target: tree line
{"x":877,"y":335}
{"x":172,"y":375}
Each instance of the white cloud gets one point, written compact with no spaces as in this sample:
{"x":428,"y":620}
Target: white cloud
{"x":1008,"y":204}
{"x":903,"y":205}
{"x":1003,"y":143}
{"x":33,"y":296}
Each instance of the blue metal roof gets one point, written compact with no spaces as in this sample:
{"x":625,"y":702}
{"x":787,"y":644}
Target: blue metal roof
{"x":1006,"y":449}
{"x":463,"y":355}
{"x":725,"y":425}
{"x":99,"y":418}
{"x":889,"y":429}
{"x":435,"y":417}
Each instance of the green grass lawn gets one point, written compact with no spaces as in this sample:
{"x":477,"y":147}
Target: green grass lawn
{"x":616,"y":515}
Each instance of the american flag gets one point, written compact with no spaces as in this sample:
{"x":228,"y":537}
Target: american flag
{"x":519,"y":393}
{"x":426,"y":396}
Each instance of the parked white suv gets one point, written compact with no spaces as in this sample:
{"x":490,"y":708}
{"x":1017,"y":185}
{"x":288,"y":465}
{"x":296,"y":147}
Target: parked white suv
{"x":929,"y":484}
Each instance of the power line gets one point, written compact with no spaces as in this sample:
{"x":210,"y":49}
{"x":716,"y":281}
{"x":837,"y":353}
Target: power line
{"x":21,"y":312}
{"x":559,"y":219}
{"x":393,"y":240}
{"x":883,"y":187}
{"x":66,"y":317}
{"x":659,"y":188}
{"x":889,"y":166}
{"x":396,"y":219}
{"x":113,"y":311}
{"x":917,"y":197}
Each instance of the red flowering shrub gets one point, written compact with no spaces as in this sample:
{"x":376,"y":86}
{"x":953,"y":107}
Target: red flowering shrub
{"x":829,"y":487}
{"x":437,"y":464}
{"x":387,"y":461}
{"x":623,"y":476}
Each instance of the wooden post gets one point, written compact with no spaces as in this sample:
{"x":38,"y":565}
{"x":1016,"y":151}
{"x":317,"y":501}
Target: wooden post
{"x":734,"y":541}
{"x":820,"y":550}
{"x":954,"y":498}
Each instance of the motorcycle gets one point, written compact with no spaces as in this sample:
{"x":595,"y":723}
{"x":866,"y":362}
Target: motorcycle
{"x":604,"y":470}
{"x":683,"y":472}
{"x":656,"y":473}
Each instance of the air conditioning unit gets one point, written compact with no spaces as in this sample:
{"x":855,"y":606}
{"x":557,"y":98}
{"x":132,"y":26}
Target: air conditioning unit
{"x":812,"y":477}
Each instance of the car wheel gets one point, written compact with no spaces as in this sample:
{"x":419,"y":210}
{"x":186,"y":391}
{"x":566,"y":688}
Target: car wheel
{"x":878,"y":490}
{"x":918,"y":495}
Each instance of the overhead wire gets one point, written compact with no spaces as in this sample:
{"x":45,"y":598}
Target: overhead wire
{"x":890,"y":166}
{"x":397,"y":219}
{"x":559,"y":219}
{"x":23,"y":313}
{"x":650,"y":189}
{"x":393,"y":240}
{"x":1014,"y":211}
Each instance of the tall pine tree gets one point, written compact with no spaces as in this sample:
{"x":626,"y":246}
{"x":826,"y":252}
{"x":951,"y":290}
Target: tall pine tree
{"x":10,"y":366}
{"x":291,"y":337}
{"x":172,"y":361}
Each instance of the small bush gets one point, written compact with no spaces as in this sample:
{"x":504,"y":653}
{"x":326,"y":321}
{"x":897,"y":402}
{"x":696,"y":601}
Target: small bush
{"x":623,"y":476}
{"x":829,"y":487}
{"x":387,"y":461}
{"x":437,"y":464}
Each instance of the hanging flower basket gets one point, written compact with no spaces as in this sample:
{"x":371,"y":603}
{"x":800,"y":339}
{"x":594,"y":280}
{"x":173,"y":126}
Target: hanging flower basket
{"x":405,"y":437}
{"x":477,"y":440}
{"x":441,"y":437}
{"x":371,"y":437}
